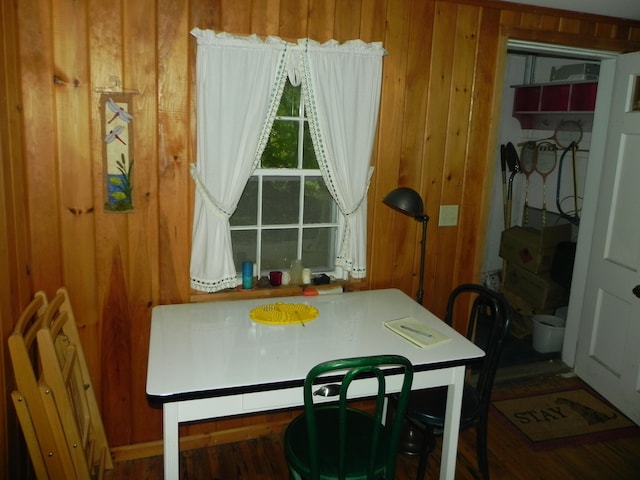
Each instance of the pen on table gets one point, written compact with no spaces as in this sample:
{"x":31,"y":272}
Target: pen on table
{"x":416,"y":331}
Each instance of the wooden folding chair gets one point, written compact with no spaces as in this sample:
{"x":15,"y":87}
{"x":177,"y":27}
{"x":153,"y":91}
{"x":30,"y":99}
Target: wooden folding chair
{"x":32,"y":397}
{"x":66,"y":373}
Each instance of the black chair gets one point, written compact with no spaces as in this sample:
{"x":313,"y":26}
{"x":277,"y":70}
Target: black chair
{"x":334,"y":440}
{"x":490,"y":318}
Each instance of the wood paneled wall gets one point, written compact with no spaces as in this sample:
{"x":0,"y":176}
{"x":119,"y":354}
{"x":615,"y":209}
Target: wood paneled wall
{"x":436,"y":133}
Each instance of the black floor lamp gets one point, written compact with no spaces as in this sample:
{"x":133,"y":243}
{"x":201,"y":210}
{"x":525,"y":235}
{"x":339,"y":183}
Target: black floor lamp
{"x":408,"y":201}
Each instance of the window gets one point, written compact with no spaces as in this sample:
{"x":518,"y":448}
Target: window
{"x":286,"y":211}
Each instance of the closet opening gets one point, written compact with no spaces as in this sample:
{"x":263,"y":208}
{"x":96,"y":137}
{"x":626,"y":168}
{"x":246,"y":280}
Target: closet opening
{"x":548,"y":105}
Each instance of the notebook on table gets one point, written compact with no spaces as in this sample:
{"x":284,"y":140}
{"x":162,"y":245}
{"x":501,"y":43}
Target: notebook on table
{"x":416,"y":332}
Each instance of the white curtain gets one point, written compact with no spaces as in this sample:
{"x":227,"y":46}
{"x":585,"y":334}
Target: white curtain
{"x":239,"y":85}
{"x":342,"y":95}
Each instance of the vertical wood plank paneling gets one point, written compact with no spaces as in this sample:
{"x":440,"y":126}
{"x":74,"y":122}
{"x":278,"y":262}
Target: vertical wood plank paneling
{"x":105,"y":56}
{"x":482,"y":145}
{"x":373,"y":29}
{"x":235,"y":16}
{"x":372,"y":20}
{"x":321,"y":15}
{"x":14,"y":282}
{"x":437,"y":126}
{"x":264,"y":17}
{"x":385,"y":225}
{"x":293,"y":19}
{"x":346,"y":12}
{"x":15,"y":287}
{"x":142,"y":272}
{"x":418,"y":77}
{"x":118,"y":406}
{"x":174,"y":120}
{"x":36,"y":70}
{"x":205,"y":14}
{"x":435,"y":134}
{"x":75,"y":169}
{"x":456,"y":148}
{"x":465,"y":45}
{"x":8,"y":312}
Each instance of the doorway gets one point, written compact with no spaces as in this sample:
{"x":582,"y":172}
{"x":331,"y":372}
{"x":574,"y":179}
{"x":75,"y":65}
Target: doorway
{"x":559,"y":192}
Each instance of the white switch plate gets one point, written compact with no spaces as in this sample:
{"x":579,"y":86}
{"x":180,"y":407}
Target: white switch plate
{"x":448,"y":216}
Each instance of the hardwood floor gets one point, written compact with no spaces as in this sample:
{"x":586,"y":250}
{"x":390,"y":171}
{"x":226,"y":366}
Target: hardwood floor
{"x":510,"y":458}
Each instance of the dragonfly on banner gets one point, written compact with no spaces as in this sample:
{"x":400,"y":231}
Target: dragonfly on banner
{"x":118,"y":111}
{"x":114,"y":135}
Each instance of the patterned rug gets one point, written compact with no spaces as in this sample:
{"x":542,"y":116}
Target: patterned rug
{"x":564,"y":416}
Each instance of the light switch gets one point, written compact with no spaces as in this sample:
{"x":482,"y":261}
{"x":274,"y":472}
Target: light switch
{"x":448,"y":216}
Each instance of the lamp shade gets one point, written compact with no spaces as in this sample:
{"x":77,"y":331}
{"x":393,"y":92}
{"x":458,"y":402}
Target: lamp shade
{"x":408,"y":201}
{"x":405,"y":200}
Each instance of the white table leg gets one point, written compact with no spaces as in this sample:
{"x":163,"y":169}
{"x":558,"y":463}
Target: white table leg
{"x":171,"y":441}
{"x":452,"y":425}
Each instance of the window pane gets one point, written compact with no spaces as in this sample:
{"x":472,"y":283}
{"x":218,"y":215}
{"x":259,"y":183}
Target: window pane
{"x":281,"y":150}
{"x":280,"y":200}
{"x":309,"y":159}
{"x":279,"y":248}
{"x":272,"y":205}
{"x":244,"y":247}
{"x":247,"y":211}
{"x":290,"y":101}
{"x":317,"y":248}
{"x":319,"y":207}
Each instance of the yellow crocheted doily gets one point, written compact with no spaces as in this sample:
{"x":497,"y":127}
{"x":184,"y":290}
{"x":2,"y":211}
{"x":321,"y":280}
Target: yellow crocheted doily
{"x":283,"y":313}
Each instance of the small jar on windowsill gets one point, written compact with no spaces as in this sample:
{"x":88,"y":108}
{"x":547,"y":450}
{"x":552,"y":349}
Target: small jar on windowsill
{"x":296,"y":272}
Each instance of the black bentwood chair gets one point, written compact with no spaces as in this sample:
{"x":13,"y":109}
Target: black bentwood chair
{"x":332,"y":440}
{"x":488,"y":326}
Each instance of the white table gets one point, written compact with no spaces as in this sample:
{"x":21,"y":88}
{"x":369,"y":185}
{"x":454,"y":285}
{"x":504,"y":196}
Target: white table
{"x":210,"y":360}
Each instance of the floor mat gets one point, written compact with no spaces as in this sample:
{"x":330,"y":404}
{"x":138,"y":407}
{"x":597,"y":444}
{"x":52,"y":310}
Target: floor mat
{"x":564,"y":416}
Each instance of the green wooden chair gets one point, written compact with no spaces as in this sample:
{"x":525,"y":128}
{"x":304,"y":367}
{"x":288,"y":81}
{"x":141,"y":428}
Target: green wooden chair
{"x":332,"y":440}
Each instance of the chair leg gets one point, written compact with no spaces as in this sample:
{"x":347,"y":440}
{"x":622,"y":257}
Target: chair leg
{"x":428,"y":444}
{"x":481,"y":447}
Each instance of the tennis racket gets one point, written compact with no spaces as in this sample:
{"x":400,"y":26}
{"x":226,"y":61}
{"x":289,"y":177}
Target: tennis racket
{"x":566,"y":133}
{"x":574,"y":217}
{"x":528,"y":156}
{"x":546,"y":160}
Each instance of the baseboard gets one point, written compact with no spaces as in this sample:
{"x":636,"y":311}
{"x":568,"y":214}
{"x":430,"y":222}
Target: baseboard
{"x":151,"y":449}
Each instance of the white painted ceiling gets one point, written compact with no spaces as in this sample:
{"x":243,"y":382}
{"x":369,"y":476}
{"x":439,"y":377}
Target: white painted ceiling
{"x":629,"y":9}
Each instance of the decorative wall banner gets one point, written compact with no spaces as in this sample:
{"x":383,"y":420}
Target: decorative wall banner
{"x":117,"y":150}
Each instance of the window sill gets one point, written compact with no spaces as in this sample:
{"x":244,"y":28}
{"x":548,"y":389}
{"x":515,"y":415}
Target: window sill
{"x":268,"y":292}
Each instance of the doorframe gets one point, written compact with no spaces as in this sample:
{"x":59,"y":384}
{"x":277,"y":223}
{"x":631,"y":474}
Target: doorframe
{"x":595,"y":161}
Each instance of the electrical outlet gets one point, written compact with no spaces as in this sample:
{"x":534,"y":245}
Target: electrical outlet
{"x":448,"y":216}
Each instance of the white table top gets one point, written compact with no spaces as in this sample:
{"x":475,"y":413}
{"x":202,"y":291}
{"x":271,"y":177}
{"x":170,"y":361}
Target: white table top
{"x":214,"y":348}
